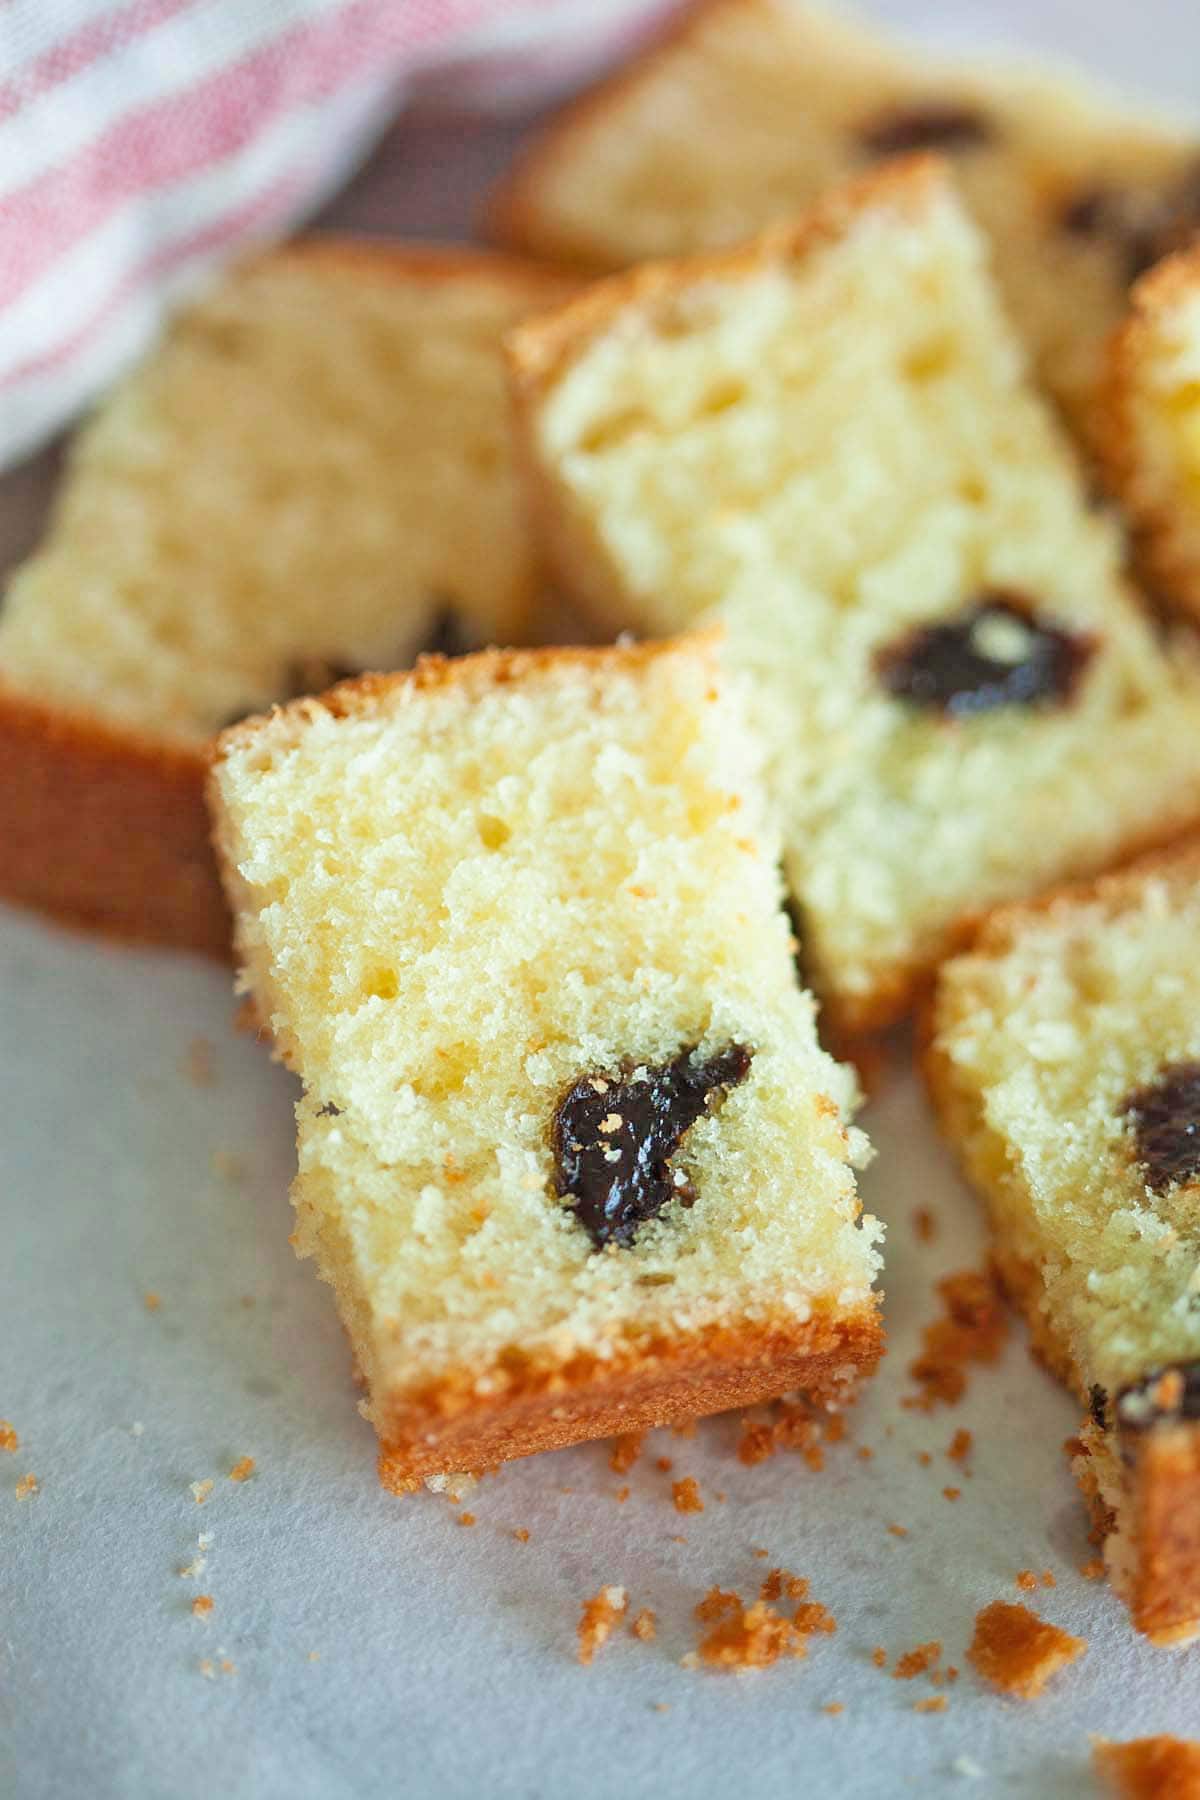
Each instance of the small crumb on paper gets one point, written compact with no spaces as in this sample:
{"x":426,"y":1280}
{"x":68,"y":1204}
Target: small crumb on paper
{"x":200,"y":1490}
{"x":8,"y":1436}
{"x":625,"y":1452}
{"x":27,"y":1486}
{"x":199,"y":1065}
{"x":645,"y":1626}
{"x":1018,"y":1652}
{"x":686,"y":1495}
{"x":936,"y":1703}
{"x":917,"y":1661}
{"x":1150,"y":1768}
{"x":601,"y":1614}
{"x":243,"y":1469}
{"x":202,"y":1605}
{"x":151,"y":1302}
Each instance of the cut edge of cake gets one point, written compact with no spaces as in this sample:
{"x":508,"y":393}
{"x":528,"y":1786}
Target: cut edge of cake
{"x":540,"y":1402}
{"x":1141,"y":1485}
{"x":1148,"y":428}
{"x":104,"y":823}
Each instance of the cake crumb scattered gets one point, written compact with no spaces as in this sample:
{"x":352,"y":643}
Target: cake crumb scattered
{"x":227,"y":1165}
{"x":242,"y":1469}
{"x":679,"y":1540}
{"x":623,"y":1494}
{"x":664,"y":1463}
{"x":204,"y":1541}
{"x":812,"y":1618}
{"x":900,"y":1531}
{"x":1151,"y":1768}
{"x":521,"y":1534}
{"x":200,"y":1490}
{"x":466,"y":1518}
{"x":202,"y":1605}
{"x":879,"y":1657}
{"x":8,"y":1436}
{"x":151,"y":1302}
{"x":1093,"y":1569}
{"x":951,"y":1493}
{"x":924,"y":1458}
{"x":28,"y":1484}
{"x":960,"y":1446}
{"x":792,"y":1426}
{"x":917,"y":1661}
{"x":864,"y":1453}
{"x":1048,"y":1580}
{"x":625,"y":1452}
{"x":1018,"y":1652}
{"x":191,"y":1571}
{"x":1026,"y":1580}
{"x":208,"y":1668}
{"x":227,"y":1667}
{"x":686,"y":1495}
{"x":936,"y":1703}
{"x":781,"y":1584}
{"x":645,"y":1626}
{"x":833,"y":1708}
{"x":661,"y":1706}
{"x":757,"y":1550}
{"x":716,"y":1604}
{"x":924,"y":1225}
{"x":973,"y":1329}
{"x":752,"y":1639}
{"x":604,"y":1611}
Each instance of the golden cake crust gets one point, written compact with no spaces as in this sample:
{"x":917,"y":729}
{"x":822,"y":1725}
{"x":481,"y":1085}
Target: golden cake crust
{"x":1126,"y":461}
{"x":1162,"y":1465}
{"x":450,"y":1425}
{"x":106,"y":828}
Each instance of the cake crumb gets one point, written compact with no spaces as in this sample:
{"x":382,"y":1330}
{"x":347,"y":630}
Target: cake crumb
{"x":960,"y":1446}
{"x":645,"y":1626}
{"x":716,"y":1604}
{"x":202,"y":1605}
{"x":934,"y":1704}
{"x":1026,"y":1580}
{"x":625,"y":1451}
{"x":917,"y":1661}
{"x":521,"y":1534}
{"x":864,"y":1453}
{"x":924,"y":1458}
{"x":466,"y":1518}
{"x":1018,"y":1652}
{"x":879,"y":1657}
{"x":8,"y":1436}
{"x":151,"y":1302}
{"x":1048,"y":1580}
{"x":924,"y":1225}
{"x":623,"y":1494}
{"x":973,"y":1329}
{"x":605,"y":1609}
{"x":1151,"y":1768}
{"x":792,"y":1426}
{"x":752,"y":1639}
{"x":208,"y":1668}
{"x":227,"y":1667}
{"x":664,"y":1463}
{"x":679,"y":1540}
{"x":191,"y":1571}
{"x":198,"y":1064}
{"x":1093,"y":1569}
{"x":833,"y":1708}
{"x":812,"y":1618}
{"x":204,"y":1541}
{"x":661,"y":1706}
{"x":686,"y":1495}
{"x":757,"y":1550}
{"x":314,"y":1656}
{"x":951,"y":1493}
{"x":200,"y":1490}
{"x":242,"y":1469}
{"x":898,"y":1530}
{"x":28,"y":1484}
{"x":781,"y":1584}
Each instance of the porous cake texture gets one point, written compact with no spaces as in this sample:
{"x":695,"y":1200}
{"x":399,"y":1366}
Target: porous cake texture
{"x":827,"y":439}
{"x":570,"y":1154}
{"x":1064,"y":1062}
{"x":310,"y":476}
{"x":1150,"y":437}
{"x":750,"y":109}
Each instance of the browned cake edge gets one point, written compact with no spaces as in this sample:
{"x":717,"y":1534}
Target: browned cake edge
{"x":1161,"y":558}
{"x":104,"y":828}
{"x":1161,"y":1480}
{"x":449,"y":1426}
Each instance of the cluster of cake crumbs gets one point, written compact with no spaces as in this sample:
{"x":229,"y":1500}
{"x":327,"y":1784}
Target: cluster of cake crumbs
{"x":1018,"y":1652}
{"x":753,"y":1637}
{"x":1153,"y":1768}
{"x":242,"y":1469}
{"x":972,"y":1329}
{"x":792,"y":1425}
{"x":601,"y":1615}
{"x":686,"y":1495}
{"x":8,"y":1436}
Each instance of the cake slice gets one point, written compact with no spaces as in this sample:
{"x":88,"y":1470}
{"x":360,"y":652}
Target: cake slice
{"x":309,"y":477}
{"x":570,"y":1154}
{"x":1150,"y":440}
{"x":750,"y":109}
{"x":827,"y":439}
{"x":1064,"y":1062}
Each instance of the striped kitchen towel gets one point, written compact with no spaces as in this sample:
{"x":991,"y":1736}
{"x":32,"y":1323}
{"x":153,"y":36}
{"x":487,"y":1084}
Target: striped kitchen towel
{"x":142,"y":142}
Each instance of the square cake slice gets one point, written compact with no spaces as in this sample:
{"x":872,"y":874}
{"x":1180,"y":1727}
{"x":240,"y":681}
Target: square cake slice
{"x":570,"y":1153}
{"x":827,"y":438}
{"x":749,"y":109}
{"x":1064,"y":1062}
{"x":310,"y":476}
{"x":1150,"y":426}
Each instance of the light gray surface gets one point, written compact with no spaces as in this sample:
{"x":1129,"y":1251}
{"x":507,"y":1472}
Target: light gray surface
{"x":445,"y":1654}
